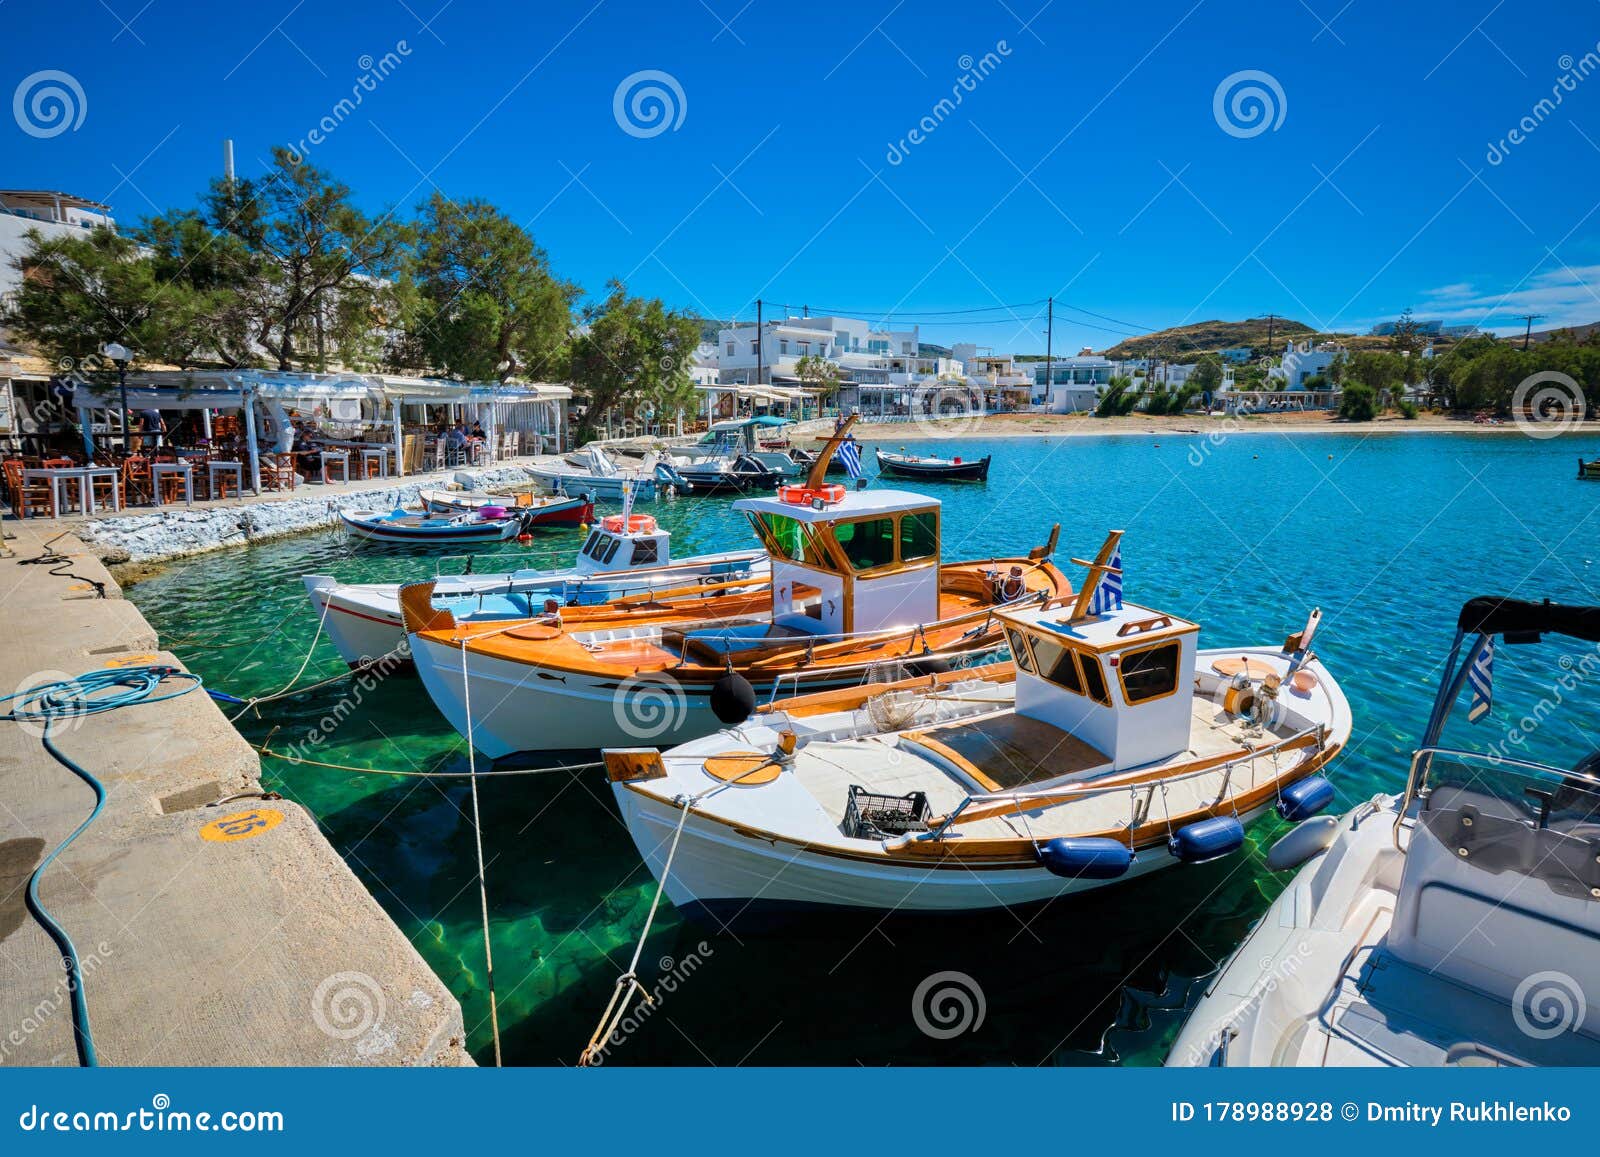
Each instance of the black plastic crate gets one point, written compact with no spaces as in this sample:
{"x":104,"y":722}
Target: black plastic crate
{"x":869,"y":816}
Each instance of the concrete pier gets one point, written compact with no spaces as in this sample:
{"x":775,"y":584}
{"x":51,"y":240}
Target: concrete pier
{"x":212,"y":930}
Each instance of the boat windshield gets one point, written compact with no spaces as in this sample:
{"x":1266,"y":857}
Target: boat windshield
{"x":1502,"y":815}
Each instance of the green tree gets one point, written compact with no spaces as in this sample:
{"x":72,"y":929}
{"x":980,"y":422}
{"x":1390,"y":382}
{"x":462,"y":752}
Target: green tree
{"x":632,"y":352}
{"x":1118,"y":398}
{"x":79,"y":292}
{"x":818,"y":373}
{"x":1207,"y":376}
{"x":1359,"y":403}
{"x":312,"y":273}
{"x":1405,"y":339}
{"x":481,"y":301}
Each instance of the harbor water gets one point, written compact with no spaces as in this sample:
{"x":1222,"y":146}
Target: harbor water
{"x":1387,"y":533}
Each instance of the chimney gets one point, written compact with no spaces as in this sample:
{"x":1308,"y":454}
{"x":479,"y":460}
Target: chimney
{"x":227,"y":159}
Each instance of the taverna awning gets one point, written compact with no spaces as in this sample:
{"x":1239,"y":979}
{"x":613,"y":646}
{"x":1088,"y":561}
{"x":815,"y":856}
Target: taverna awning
{"x":213,"y":390}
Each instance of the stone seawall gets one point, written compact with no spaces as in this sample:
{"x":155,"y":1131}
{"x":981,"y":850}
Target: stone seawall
{"x":174,"y":531}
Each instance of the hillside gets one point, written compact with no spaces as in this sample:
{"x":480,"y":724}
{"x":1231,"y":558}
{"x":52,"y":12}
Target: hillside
{"x":1185,"y":343}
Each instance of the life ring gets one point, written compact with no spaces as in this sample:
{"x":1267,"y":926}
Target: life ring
{"x":634,"y":524}
{"x":826,"y":494}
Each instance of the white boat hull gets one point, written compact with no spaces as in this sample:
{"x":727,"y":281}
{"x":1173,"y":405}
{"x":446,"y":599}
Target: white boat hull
{"x":644,"y":488}
{"x":722,"y":875}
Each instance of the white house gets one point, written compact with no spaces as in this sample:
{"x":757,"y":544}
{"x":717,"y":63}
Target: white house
{"x":1302,"y":360}
{"x":52,"y":214}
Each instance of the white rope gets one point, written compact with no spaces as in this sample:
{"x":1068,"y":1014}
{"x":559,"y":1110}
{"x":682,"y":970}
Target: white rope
{"x":477,"y":838}
{"x":327,"y":604}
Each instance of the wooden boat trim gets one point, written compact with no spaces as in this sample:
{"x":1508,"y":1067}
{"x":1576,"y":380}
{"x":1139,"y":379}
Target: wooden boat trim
{"x":849,"y":698}
{"x":1017,"y":852}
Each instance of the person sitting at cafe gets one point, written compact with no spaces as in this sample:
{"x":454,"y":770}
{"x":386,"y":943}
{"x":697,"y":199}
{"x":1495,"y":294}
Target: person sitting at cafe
{"x":477,"y":431}
{"x":308,"y":457}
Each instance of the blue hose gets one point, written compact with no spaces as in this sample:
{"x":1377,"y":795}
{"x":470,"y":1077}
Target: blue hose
{"x":91,"y":694}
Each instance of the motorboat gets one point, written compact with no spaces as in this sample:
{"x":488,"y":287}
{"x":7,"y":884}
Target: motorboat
{"x":1456,"y":923}
{"x":486,"y":524}
{"x":535,"y":510}
{"x":1588,"y":469}
{"x":624,"y":556}
{"x":927,"y":467}
{"x":760,"y":438}
{"x":592,"y":471}
{"x":725,"y":465}
{"x":1109,"y":748}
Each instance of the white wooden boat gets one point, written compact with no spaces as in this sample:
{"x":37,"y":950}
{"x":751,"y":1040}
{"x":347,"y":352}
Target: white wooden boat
{"x":488,"y":524}
{"x":1112,"y":749}
{"x":1455,"y":924}
{"x":536,"y":510}
{"x":624,"y":555}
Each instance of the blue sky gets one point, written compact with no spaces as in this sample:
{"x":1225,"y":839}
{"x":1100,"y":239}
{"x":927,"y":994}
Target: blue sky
{"x":1089,"y":161}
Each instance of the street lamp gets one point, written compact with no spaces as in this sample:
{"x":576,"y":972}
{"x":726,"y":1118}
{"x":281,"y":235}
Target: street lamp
{"x":122,"y":355}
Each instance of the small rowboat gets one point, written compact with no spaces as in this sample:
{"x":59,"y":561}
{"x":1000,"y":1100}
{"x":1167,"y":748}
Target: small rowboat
{"x":557,"y":510}
{"x":488,"y":524}
{"x":931,"y":469}
{"x":1589,"y":469}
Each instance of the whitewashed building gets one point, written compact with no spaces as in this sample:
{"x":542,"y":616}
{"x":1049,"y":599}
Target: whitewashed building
{"x":1302,"y":360}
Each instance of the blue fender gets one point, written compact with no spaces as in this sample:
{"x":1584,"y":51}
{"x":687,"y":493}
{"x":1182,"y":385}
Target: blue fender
{"x":1206,"y":840}
{"x":1086,"y":857}
{"x":1301,"y":801}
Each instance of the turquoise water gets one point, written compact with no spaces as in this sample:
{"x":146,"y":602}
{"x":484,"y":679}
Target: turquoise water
{"x":1388,"y":534}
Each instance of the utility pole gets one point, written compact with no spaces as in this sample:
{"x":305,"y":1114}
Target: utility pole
{"x":1271,"y":317}
{"x":1049,"y":341}
{"x":759,"y":366}
{"x":1530,"y":318}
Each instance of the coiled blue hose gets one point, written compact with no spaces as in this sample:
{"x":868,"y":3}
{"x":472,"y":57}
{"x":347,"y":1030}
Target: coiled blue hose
{"x":92,"y":694}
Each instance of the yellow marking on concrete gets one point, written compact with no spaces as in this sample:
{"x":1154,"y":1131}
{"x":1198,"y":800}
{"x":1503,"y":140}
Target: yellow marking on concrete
{"x":242,"y":825}
{"x":141,"y":660}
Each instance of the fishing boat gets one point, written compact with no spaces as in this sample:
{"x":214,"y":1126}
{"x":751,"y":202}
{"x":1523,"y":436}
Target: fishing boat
{"x":625,"y":556}
{"x":486,"y":524}
{"x":535,"y":510}
{"x":1457,"y":923}
{"x":930,"y":468}
{"x":1589,"y":469}
{"x":1111,"y":747}
{"x":857,"y":579}
{"x":593,"y":471}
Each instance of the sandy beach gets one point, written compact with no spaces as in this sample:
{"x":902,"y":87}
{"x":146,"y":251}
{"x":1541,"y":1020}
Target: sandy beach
{"x":1081,"y":425}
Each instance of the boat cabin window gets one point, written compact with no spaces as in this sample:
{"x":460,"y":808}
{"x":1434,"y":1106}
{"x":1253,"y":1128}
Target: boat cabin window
{"x":1094,"y":681}
{"x":1058,"y":664}
{"x":1149,"y":674}
{"x":611,"y":545}
{"x":867,"y":543}
{"x":1020,"y":655}
{"x":590,"y":544}
{"x":919,"y":536}
{"x":644,"y":551}
{"x":783,"y":536}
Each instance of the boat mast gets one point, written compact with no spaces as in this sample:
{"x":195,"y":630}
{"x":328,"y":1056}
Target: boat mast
{"x":819,"y":468}
{"x":1098,"y":569}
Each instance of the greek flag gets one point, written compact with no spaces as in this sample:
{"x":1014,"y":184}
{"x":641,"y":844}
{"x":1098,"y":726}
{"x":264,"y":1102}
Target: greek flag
{"x":850,"y":454}
{"x":1108,"y":595}
{"x":1481,"y":679}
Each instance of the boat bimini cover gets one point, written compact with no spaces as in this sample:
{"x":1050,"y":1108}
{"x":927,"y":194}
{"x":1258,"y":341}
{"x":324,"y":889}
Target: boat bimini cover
{"x":1492,"y":615}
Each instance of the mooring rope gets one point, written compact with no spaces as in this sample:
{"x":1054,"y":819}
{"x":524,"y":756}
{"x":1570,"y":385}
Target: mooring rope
{"x":250,"y":704}
{"x":477,"y":837}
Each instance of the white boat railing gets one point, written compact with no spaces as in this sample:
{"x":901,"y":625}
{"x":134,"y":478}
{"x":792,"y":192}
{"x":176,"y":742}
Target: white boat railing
{"x":1076,"y":794}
